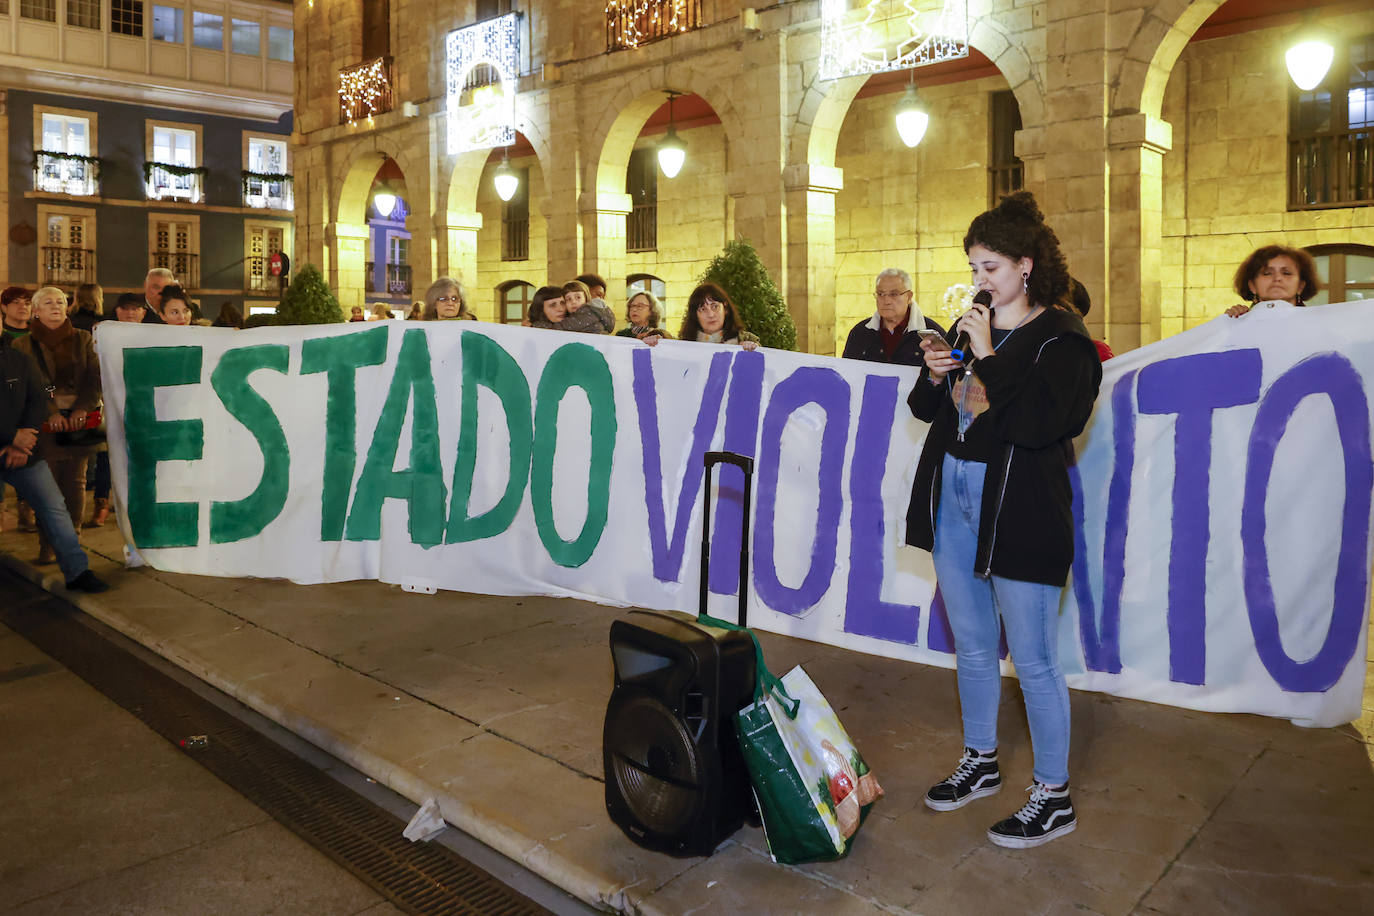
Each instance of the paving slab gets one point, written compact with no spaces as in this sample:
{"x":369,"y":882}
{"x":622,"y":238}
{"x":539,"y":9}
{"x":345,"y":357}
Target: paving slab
{"x":494,"y":707}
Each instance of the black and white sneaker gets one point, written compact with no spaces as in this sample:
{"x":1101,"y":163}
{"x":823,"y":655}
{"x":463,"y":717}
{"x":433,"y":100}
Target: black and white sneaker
{"x":977,"y":775}
{"x":1047,"y":815}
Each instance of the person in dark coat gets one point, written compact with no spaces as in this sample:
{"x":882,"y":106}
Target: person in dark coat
{"x":890,"y":335}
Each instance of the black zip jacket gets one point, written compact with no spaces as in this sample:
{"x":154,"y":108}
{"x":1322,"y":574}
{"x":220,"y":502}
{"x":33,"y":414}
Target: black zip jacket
{"x":23,"y":394}
{"x":1041,"y":386}
{"x":865,"y":341}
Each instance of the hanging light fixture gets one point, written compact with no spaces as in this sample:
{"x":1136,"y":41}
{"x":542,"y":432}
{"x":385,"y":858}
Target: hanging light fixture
{"x":1309,"y":55}
{"x":912,"y":118}
{"x":384,"y":198}
{"x":506,"y":179}
{"x":672,"y":152}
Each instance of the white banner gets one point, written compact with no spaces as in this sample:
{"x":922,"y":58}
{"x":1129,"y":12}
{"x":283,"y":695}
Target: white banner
{"x":1225,"y":481}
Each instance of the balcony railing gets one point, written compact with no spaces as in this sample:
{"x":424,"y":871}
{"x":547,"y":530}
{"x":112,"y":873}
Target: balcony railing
{"x":631,"y":23}
{"x":63,"y":173}
{"x":67,"y":266}
{"x":641,"y":228}
{"x":515,"y":239}
{"x":259,"y":279}
{"x":398,"y":279}
{"x":272,"y":192}
{"x":1331,"y":169}
{"x":1003,"y":179}
{"x":165,"y":181}
{"x":365,"y":90}
{"x":183,"y":264}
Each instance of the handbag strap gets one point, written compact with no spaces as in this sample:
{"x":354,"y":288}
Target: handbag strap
{"x":43,"y":364}
{"x":766,"y":683}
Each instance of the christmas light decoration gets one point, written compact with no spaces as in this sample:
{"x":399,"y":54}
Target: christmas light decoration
{"x":364,"y":90}
{"x":890,"y":35}
{"x":482,"y":66}
{"x":631,"y":23}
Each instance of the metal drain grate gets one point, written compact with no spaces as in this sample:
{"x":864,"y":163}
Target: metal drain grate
{"x":361,"y":837}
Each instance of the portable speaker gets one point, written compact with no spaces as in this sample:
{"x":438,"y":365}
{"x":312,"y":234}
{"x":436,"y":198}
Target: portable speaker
{"x":675,"y":779}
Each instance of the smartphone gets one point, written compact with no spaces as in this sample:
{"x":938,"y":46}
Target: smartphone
{"x":937,"y":340}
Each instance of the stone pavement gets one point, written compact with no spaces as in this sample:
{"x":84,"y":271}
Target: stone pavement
{"x":494,"y":706}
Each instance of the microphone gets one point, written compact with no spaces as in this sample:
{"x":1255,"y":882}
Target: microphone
{"x":961,"y":351}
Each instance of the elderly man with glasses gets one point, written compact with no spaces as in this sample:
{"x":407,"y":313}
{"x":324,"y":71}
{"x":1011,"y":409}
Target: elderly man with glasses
{"x":890,"y":335}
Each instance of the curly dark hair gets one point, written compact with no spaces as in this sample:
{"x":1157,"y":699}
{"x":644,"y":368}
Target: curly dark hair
{"x":691,"y":326}
{"x":1250,"y":269}
{"x":1016,"y":229}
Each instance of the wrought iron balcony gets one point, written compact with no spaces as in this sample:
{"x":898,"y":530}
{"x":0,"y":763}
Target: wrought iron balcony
{"x":183,"y":264}
{"x":631,"y":23}
{"x":398,"y":279}
{"x":67,"y":266}
{"x":365,"y":90}
{"x":64,"y":173}
{"x":641,"y":228}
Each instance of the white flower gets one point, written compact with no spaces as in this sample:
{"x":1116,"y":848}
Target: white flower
{"x":956,"y":300}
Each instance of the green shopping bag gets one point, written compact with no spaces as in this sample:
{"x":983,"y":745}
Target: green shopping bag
{"x":812,"y":785}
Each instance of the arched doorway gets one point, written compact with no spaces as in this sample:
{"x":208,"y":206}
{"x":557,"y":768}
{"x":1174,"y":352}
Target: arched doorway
{"x":512,"y":243}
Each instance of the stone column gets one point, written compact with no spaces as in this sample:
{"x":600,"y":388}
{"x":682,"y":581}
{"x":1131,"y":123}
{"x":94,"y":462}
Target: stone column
{"x":347,"y":257}
{"x":458,"y":250}
{"x":1136,"y":147}
{"x":603,"y":234}
{"x":809,"y":198}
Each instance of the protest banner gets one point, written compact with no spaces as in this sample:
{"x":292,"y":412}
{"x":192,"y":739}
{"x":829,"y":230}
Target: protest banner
{"x":1224,"y":486}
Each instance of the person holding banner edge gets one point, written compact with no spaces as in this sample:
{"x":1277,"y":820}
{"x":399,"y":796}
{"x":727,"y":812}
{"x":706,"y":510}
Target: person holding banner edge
{"x":992,"y":502}
{"x":1275,"y":273}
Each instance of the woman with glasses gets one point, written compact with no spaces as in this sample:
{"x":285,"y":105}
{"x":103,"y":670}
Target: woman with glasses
{"x":711,"y":318}
{"x":444,"y":301}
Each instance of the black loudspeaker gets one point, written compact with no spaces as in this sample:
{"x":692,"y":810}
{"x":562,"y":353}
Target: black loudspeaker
{"x":675,"y":778}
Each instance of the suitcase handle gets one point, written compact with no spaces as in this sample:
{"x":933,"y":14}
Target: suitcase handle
{"x":745,"y":464}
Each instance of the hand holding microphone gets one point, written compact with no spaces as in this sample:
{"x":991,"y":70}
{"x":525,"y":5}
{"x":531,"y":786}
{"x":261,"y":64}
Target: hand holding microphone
{"x":962,"y":351}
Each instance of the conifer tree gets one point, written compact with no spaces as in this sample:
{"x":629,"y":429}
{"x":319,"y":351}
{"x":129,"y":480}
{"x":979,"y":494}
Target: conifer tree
{"x":308,"y":300}
{"x":739,"y":272}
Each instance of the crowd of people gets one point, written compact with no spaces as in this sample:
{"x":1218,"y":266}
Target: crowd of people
{"x":1005,"y":390}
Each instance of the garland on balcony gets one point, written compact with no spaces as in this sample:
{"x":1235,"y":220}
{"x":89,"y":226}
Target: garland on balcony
{"x":264,"y":177}
{"x":178,"y":170}
{"x":95,"y":161}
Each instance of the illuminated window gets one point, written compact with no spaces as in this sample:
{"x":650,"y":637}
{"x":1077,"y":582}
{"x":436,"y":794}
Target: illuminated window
{"x":279,"y":45}
{"x":61,"y":156}
{"x":515,"y":296}
{"x":1346,"y":271}
{"x":207,"y":31}
{"x":247,"y":37}
{"x":173,"y":168}
{"x":175,"y":245}
{"x":1331,"y":134}
{"x":262,"y":241}
{"x":167,"y":24}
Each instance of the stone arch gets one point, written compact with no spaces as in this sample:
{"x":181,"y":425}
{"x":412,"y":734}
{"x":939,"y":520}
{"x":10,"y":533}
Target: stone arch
{"x":364,"y":158}
{"x":629,"y":107}
{"x":458,"y":183}
{"x":823,"y":108}
{"x":1163,"y":33}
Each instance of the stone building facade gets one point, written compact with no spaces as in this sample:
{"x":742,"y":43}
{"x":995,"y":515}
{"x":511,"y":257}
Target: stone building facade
{"x":1155,"y":133}
{"x":129,"y":126}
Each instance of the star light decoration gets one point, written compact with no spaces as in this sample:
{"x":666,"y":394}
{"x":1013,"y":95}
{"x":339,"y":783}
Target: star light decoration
{"x":364,"y":90}
{"x":890,"y":35}
{"x":487,"y":119}
{"x":631,"y":23}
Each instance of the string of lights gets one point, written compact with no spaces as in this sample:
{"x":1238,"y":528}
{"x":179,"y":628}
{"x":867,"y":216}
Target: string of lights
{"x":631,"y":23}
{"x":482,"y":67}
{"x":891,"y":35}
{"x":364,"y":90}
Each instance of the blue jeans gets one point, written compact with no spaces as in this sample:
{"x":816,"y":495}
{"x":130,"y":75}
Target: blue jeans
{"x":35,"y":485}
{"x":1029,"y":612}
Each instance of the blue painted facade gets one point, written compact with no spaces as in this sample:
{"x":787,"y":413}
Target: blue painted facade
{"x":122,"y":242}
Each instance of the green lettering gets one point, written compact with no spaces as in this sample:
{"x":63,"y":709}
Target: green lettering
{"x":584,"y":367}
{"x":244,"y":518}
{"x":150,"y":440}
{"x":485,"y":363}
{"x":341,"y":356}
{"x":422,"y":484}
